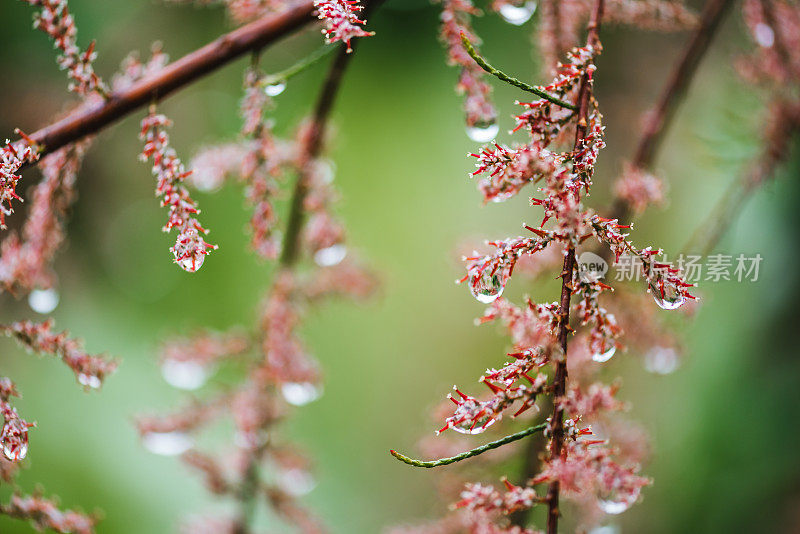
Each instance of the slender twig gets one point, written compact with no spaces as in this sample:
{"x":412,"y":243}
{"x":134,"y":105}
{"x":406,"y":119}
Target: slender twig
{"x":482,"y":63}
{"x":660,"y":118}
{"x":254,"y":36}
{"x":560,"y":378}
{"x":247,"y":493}
{"x":469,"y":454}
{"x":309,"y":61}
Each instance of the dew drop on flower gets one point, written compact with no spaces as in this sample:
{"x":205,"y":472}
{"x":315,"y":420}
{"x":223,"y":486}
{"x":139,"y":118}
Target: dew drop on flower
{"x":669,"y":299}
{"x":89,"y":381}
{"x":330,"y":256}
{"x":483,"y":133}
{"x":186,"y":375}
{"x":764,"y":35}
{"x":43,"y":300}
{"x":275,"y":89}
{"x":296,"y":482}
{"x":602,"y":357}
{"x":615,"y":502}
{"x":167,"y":443}
{"x":517,"y":15}
{"x":192,"y":264}
{"x":476,"y":428}
{"x":487,"y":288}
{"x":300,"y":393}
{"x":661,"y":360}
{"x":15,"y":453}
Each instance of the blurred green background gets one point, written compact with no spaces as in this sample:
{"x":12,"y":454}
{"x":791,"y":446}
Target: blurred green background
{"x":723,"y":426}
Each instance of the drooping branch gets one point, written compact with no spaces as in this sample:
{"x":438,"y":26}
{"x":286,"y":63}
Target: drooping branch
{"x":251,"y":37}
{"x":470,"y":453}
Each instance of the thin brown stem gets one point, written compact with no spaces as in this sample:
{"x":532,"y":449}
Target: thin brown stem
{"x":188,"y":69}
{"x":660,"y":118}
{"x":312,"y":148}
{"x":560,"y":378}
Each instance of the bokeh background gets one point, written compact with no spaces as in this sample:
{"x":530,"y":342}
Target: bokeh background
{"x":724,"y":426}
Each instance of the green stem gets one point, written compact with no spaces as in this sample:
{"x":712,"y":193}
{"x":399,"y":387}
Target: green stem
{"x":482,"y":63}
{"x":469,"y":454}
{"x":310,"y":60}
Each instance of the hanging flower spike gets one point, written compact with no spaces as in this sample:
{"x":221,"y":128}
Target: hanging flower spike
{"x":455,"y":18}
{"x":55,"y":20}
{"x":341,"y":22}
{"x":44,"y":514}
{"x":90,"y":371}
{"x":190,"y":248}
{"x":14,"y":435}
{"x":12,"y":157}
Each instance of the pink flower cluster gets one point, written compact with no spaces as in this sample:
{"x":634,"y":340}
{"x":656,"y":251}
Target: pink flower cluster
{"x":341,"y":21}
{"x":12,"y":157}
{"x":25,"y":264}
{"x":588,"y":470}
{"x":44,"y":514}
{"x":190,"y":248}
{"x":14,"y":436}
{"x":455,"y":20}
{"x":56,"y":21}
{"x":90,"y":371}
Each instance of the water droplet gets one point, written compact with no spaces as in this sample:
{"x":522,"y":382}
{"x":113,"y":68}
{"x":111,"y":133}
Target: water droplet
{"x":187,"y":375}
{"x":275,"y":89}
{"x":192,"y":263}
{"x":661,"y":360}
{"x":326,"y":169}
{"x":483,"y":133}
{"x":15,"y":452}
{"x":43,"y":300}
{"x":764,"y":35}
{"x":602,"y":357}
{"x":89,"y":381}
{"x":300,"y":393}
{"x":669,"y":298}
{"x":330,"y":256}
{"x":167,"y":443}
{"x":616,"y":502}
{"x":487,"y":288}
{"x":296,"y":481}
{"x":605,"y":529}
{"x":477,"y":428}
{"x":517,"y":15}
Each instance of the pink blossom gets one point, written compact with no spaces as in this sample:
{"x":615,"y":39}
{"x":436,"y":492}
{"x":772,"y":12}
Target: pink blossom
{"x":90,"y":371}
{"x":44,"y":514}
{"x":12,"y":157}
{"x":56,"y":21}
{"x":341,"y":22}
{"x":190,"y":248}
